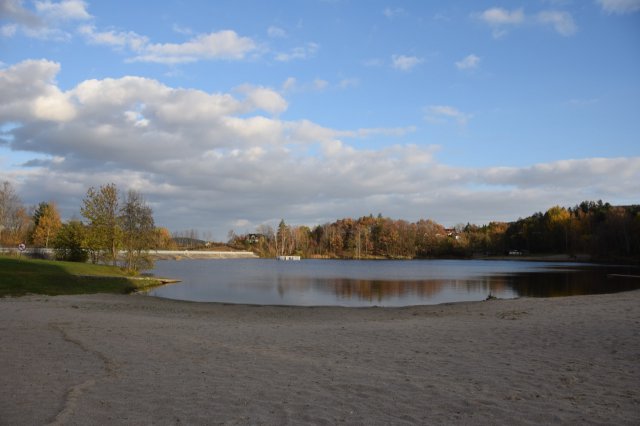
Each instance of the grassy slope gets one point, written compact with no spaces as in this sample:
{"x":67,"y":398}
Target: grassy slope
{"x":23,"y":276}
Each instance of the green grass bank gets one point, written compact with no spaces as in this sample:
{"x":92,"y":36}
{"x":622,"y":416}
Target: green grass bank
{"x":21,"y":276}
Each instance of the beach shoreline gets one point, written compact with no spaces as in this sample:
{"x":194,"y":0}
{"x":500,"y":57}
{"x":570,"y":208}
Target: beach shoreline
{"x":112,"y":359}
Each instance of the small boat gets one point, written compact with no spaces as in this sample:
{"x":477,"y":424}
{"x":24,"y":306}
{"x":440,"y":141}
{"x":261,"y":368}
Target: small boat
{"x":288,"y":257}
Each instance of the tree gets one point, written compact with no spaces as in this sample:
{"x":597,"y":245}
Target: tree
{"x":558,"y":223}
{"x":100,"y":208}
{"x":138,"y":231}
{"x":284,"y":240}
{"x":70,"y":241}
{"x":47,"y":223}
{"x":164,"y":240}
{"x":14,"y":220}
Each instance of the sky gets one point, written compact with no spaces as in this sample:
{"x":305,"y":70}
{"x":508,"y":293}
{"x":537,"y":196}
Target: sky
{"x":227,"y":115}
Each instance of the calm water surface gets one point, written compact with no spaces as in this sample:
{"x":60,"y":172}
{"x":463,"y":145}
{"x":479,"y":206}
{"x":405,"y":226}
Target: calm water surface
{"x":381,"y":282}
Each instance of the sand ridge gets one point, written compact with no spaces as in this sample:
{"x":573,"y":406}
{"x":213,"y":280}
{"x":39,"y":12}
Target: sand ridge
{"x":106,"y":359}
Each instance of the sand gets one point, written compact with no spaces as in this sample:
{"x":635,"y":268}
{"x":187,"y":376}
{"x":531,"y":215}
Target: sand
{"x":107,"y":359}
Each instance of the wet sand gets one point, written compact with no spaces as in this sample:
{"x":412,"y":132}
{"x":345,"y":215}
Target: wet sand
{"x":106,"y":359}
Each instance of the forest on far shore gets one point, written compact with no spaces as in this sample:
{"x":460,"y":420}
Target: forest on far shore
{"x":596,"y":229}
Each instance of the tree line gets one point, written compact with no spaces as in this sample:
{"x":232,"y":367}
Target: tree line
{"x":597,"y":229}
{"x":115,"y":223}
{"x":118,"y":228}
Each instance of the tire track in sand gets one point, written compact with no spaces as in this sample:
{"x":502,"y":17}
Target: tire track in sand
{"x":75,"y":392}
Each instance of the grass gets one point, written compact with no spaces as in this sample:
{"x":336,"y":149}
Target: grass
{"x":20,"y":276}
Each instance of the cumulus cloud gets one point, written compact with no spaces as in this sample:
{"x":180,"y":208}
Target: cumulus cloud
{"x":216,"y":161}
{"x":468,"y":62}
{"x":41,"y":100}
{"x":46,"y":21}
{"x":405,"y":63}
{"x":620,"y":6}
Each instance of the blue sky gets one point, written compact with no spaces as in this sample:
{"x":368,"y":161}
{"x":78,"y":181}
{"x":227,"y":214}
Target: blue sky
{"x":231,"y":114}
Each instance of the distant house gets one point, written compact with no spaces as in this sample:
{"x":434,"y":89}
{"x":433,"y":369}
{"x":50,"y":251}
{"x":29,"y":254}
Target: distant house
{"x":452,"y":233}
{"x":254,"y":238}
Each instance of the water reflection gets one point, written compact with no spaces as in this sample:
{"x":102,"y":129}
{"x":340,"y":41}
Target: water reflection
{"x":383,"y":283}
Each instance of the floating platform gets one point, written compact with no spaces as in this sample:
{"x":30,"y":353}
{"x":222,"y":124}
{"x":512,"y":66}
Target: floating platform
{"x":288,"y":257}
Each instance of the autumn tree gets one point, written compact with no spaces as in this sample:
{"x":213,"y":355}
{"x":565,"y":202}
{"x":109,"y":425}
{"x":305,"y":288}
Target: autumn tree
{"x":101,"y":209}
{"x":164,"y":241}
{"x":47,"y":223}
{"x":557,"y":221}
{"x":138,"y":231}
{"x":14,"y":220}
{"x":284,"y":239}
{"x":69,"y":243}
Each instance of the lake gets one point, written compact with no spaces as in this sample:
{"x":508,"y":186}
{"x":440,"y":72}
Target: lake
{"x":360,"y":283}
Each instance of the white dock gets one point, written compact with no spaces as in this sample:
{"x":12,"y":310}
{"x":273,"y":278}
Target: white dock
{"x":288,"y":257}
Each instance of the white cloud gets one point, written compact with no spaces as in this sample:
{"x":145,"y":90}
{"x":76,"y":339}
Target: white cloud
{"x":221,"y":45}
{"x":405,"y":63}
{"x":276,"y":32}
{"x":226,"y":44}
{"x":203,"y":160}
{"x":562,"y":22}
{"x":620,"y":6}
{"x":468,"y":62}
{"x":289,"y":84}
{"x":303,"y":52}
{"x":442,"y":113}
{"x":64,"y":10}
{"x":501,"y":20}
{"x":119,"y":39}
{"x":48,"y":21}
{"x":42,"y":101}
{"x":499,"y":16}
{"x":263,"y":98}
{"x":182,"y":30}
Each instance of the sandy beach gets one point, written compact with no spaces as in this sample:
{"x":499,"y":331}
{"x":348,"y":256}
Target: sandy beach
{"x":106,"y":359}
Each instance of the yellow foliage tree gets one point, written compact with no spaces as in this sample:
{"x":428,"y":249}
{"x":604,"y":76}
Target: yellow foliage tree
{"x":47,"y":224}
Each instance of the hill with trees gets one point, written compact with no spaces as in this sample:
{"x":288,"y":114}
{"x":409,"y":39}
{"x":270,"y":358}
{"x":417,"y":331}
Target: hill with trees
{"x":595,"y":229}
